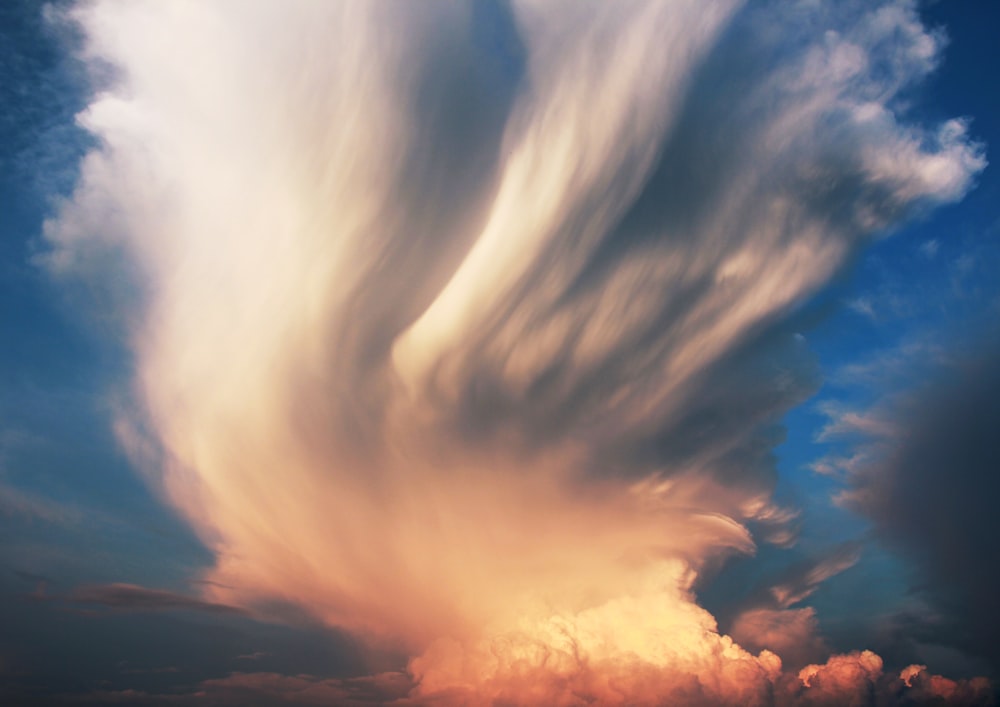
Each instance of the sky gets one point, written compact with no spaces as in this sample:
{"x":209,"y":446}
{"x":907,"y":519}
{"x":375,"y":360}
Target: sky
{"x":539,"y":352}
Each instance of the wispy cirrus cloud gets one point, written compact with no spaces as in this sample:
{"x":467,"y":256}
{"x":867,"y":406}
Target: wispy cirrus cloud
{"x":24,"y":505}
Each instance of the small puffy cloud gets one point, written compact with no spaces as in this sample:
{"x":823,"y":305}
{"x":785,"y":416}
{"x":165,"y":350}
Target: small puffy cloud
{"x":892,"y":367}
{"x":924,"y":687}
{"x":873,"y":424}
{"x":929,"y":248}
{"x":793,"y":634}
{"x":863,"y":306}
{"x":256,"y":655}
{"x":849,"y":676}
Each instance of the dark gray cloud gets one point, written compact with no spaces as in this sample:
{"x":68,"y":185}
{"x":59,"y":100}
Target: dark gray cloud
{"x":934,"y":500}
{"x":263,"y":689}
{"x":133,"y":597}
{"x":55,"y":650}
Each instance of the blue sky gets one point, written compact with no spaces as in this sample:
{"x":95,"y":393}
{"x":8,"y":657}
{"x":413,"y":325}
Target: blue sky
{"x":111,"y":576}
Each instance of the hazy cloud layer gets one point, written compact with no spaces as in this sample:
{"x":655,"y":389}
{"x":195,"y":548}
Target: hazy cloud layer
{"x":135,"y":598}
{"x":855,"y":679}
{"x":460,"y":327}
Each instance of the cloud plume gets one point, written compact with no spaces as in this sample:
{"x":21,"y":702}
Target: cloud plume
{"x":460,"y":326}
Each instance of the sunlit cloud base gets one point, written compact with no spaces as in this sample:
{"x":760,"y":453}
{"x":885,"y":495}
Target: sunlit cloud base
{"x":459,"y":326}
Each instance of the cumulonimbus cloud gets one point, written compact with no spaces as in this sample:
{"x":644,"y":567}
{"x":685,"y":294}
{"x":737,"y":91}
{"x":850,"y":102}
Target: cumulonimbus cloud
{"x":459,"y":326}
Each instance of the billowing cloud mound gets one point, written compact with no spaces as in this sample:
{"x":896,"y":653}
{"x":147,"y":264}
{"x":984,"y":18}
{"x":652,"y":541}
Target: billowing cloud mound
{"x":459,"y":326}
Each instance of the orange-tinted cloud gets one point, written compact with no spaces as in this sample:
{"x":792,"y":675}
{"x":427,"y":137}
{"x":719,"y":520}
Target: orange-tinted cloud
{"x":791,"y":633}
{"x":479,"y":355}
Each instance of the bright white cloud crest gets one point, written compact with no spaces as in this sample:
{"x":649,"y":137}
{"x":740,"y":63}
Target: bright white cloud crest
{"x":454,"y":324}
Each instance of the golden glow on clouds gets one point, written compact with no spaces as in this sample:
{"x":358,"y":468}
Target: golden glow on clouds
{"x":384,"y":359}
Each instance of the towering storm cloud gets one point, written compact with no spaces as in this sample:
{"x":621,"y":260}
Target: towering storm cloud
{"x":460,"y":325}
